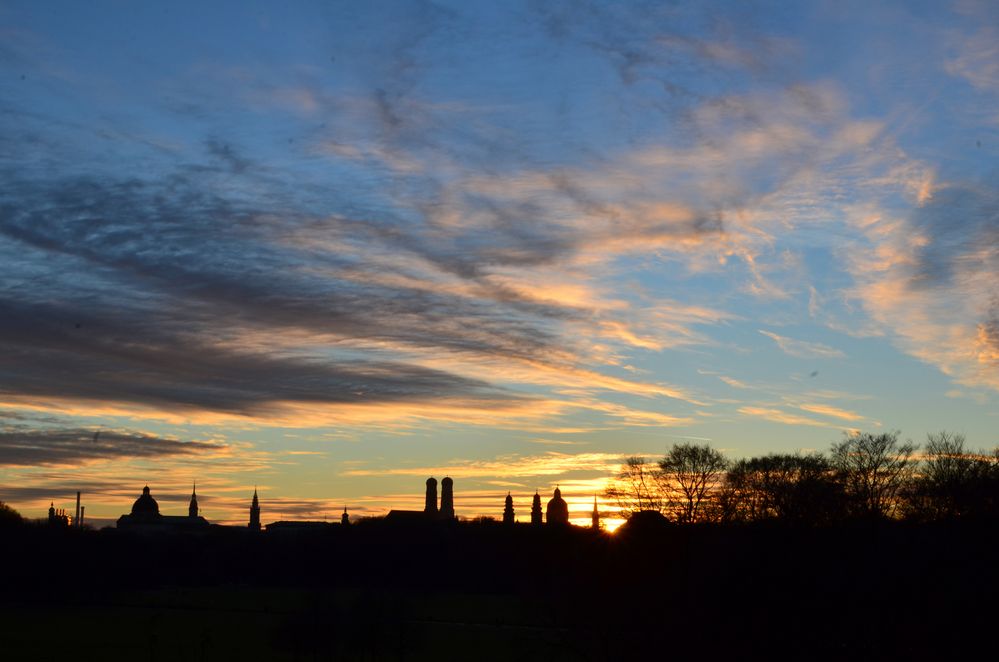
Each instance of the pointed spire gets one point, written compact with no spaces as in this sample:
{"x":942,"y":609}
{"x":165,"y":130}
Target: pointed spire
{"x":255,"y":511}
{"x":192,"y":508}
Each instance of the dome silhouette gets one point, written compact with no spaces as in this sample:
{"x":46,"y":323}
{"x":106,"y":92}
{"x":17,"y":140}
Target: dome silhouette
{"x":145,"y":504}
{"x":558,"y":510}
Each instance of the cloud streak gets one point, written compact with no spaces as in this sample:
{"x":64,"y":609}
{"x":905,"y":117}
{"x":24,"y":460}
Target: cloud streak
{"x":803,"y":349}
{"x":63,"y":447}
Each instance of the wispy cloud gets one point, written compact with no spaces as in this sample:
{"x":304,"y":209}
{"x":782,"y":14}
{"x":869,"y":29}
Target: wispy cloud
{"x":62,"y":447}
{"x":781,"y":416}
{"x":547,"y":464}
{"x":829,"y":410}
{"x":803,"y":349}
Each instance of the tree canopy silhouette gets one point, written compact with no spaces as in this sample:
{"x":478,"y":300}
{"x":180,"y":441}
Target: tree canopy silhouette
{"x":874,"y":469}
{"x":9,"y":516}
{"x":636,"y":488}
{"x":953,"y":482}
{"x":679,"y":485}
{"x":797,"y":488}
{"x":864,"y":476}
{"x":688,"y":474}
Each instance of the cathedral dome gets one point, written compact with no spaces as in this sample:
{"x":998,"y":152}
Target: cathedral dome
{"x":145,"y":504}
{"x":558,"y":509}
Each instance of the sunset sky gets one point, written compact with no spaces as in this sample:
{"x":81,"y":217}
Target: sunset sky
{"x":333,"y":249}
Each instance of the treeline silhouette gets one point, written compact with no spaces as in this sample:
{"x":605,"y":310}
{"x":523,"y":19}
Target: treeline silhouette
{"x":863,"y":477}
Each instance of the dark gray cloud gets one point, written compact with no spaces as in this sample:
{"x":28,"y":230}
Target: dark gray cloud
{"x":62,"y":492}
{"x":224,"y":152}
{"x":27,"y":447}
{"x":989,"y":336}
{"x":959,"y":221}
{"x":127,"y":291}
{"x":108,"y":355}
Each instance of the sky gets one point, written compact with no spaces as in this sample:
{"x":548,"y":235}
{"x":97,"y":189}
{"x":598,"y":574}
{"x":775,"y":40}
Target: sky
{"x":330,"y":249}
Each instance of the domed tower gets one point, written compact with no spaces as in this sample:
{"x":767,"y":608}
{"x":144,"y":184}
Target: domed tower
{"x":536,"y":509}
{"x":145,"y":507}
{"x":345,"y":518}
{"x":447,"y":498}
{"x":558,"y":509}
{"x":430,"y":504}
{"x":255,"y":512}
{"x":508,"y":510}
{"x":192,"y":509}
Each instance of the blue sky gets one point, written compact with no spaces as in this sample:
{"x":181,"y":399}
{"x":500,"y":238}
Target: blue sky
{"x":333,"y":249}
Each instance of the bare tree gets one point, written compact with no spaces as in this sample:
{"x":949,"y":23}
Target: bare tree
{"x":874,"y":469}
{"x":798,"y":488}
{"x":687,"y":476}
{"x":952,"y":481}
{"x":636,"y":487}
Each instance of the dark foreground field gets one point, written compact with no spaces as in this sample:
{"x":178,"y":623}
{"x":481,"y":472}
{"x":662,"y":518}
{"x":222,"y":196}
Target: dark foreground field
{"x":483,"y":592}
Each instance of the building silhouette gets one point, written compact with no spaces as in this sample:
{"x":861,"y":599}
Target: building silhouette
{"x":192,"y":508}
{"x":536,"y":509}
{"x":595,"y":517}
{"x":558,"y":510}
{"x":508,"y":510}
{"x":430,"y":504}
{"x":145,"y":517}
{"x":254,"y":524}
{"x":447,"y":498}
{"x":431,"y":512}
{"x":345,"y":518}
{"x":57,"y":517}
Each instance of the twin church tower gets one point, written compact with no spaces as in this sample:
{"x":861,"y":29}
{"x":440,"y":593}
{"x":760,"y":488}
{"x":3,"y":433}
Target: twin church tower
{"x":446,"y":510}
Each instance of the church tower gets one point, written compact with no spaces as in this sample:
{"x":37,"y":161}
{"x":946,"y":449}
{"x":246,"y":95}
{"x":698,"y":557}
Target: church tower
{"x":508,"y":510}
{"x":595,"y":521}
{"x":345,"y":518}
{"x":192,"y":509}
{"x":255,"y":512}
{"x":447,"y":498}
{"x":430,"y":504}
{"x":536,"y":509}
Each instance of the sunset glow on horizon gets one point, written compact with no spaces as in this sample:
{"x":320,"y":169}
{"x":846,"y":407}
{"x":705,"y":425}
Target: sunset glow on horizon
{"x":333,"y":249}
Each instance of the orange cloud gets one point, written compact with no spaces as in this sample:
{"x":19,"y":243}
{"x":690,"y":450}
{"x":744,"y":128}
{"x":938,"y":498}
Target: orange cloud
{"x":828,"y":410}
{"x":779,"y":416}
